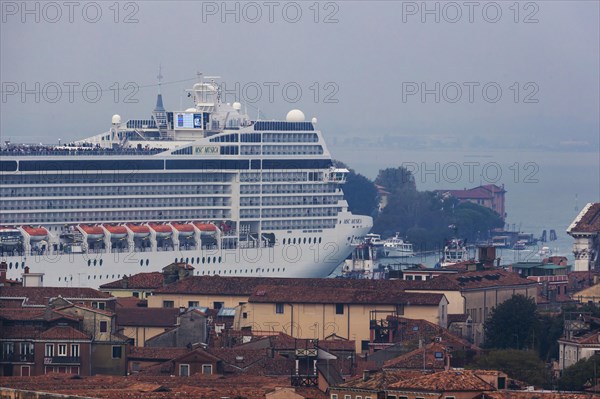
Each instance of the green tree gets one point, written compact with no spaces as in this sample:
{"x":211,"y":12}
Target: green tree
{"x":360,"y":192}
{"x":579,"y":375}
{"x":524,"y":366}
{"x":396,"y":179}
{"x":512,"y":324}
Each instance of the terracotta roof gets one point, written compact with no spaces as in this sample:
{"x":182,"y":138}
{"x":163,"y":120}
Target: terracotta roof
{"x":41,"y":295}
{"x":472,"y":280}
{"x":147,"y":317}
{"x":588,"y":220}
{"x":269,"y":294}
{"x":590,"y":338}
{"x":415,"y":329}
{"x":535,"y":395}
{"x":88,"y":308}
{"x":380,"y":380}
{"x":139,"y":281}
{"x":131,"y":302}
{"x":63,"y":332}
{"x":445,"y":381}
{"x":245,"y":286}
{"x":30,"y":314}
{"x":158,"y":353}
{"x":429,"y":357}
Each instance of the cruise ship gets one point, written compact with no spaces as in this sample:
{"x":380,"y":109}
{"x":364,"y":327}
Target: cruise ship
{"x":206,"y":185}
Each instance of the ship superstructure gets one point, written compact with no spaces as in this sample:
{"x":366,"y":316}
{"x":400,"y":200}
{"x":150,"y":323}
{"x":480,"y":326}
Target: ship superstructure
{"x":207,"y":186}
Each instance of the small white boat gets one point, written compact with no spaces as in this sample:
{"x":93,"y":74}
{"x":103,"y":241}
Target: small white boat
{"x":544,"y":252}
{"x":455,"y":251}
{"x":396,"y":247}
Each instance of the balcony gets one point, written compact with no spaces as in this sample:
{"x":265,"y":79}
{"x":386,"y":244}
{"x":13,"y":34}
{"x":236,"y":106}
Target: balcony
{"x":62,"y":360}
{"x":16,"y":358}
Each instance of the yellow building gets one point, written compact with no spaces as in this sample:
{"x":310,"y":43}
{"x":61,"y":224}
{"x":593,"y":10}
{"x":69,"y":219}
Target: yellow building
{"x":303,"y":312}
{"x":476,"y":293}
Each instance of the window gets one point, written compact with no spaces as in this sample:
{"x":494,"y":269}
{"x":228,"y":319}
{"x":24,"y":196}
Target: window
{"x":193,"y":304}
{"x":135,"y":367}
{"x":75,"y":350}
{"x":26,"y":349}
{"x":184,"y":370}
{"x":449,"y":397}
{"x":400,"y":309}
{"x":62,"y":349}
{"x":103,"y":326}
{"x":116,"y":352}
{"x":501,"y":382}
{"x":244,"y":315}
{"x":49,"y":350}
{"x":279,"y":308}
{"x":358,"y":397}
{"x":136,"y":294}
{"x":217,"y":305}
{"x":334,"y":396}
{"x":207,"y":369}
{"x":347,"y":396}
{"x":99,"y":305}
{"x":391,"y":397}
{"x":168,"y":304}
{"x":364,"y":345}
{"x":339,"y":308}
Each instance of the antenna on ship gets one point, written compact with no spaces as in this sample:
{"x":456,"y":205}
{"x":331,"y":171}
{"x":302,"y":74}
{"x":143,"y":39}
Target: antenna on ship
{"x":159,"y":77}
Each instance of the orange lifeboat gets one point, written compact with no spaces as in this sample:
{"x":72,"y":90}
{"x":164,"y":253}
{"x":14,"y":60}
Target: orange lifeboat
{"x":36,"y":233}
{"x":116,"y":231}
{"x":206,"y":228}
{"x":93,"y":232}
{"x":139,"y":231}
{"x":162,"y":230}
{"x":184,"y":229}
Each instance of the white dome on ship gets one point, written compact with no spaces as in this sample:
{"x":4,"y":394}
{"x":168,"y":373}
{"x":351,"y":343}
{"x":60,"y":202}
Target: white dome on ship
{"x":116,"y":119}
{"x":314,"y":121}
{"x":190,"y":110}
{"x":295,"y":115}
{"x":237,"y":106}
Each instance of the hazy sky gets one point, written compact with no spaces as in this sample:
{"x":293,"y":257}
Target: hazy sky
{"x":389,"y":81}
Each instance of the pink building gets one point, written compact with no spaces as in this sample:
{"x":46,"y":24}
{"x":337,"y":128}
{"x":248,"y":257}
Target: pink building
{"x":490,"y":195}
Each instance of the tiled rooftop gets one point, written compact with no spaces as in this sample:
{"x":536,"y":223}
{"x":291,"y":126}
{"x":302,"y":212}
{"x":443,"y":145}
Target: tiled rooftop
{"x":41,"y":295}
{"x":299,"y":294}
{"x":472,"y":280}
{"x":157,"y":354}
{"x":140,"y":281}
{"x":63,"y":332}
{"x":429,"y":357}
{"x":245,"y":286}
{"x":588,"y":220}
{"x":445,"y":381}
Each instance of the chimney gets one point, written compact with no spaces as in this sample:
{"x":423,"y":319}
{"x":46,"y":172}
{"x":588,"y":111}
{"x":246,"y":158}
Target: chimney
{"x":447,"y":365}
{"x":3,"y":271}
{"x":32,"y":279}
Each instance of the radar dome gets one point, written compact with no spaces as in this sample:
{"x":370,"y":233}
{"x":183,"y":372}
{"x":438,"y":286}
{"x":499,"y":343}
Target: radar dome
{"x":190,"y":110}
{"x":314,"y":121}
{"x":116,"y":119}
{"x":237,"y":106}
{"x":295,"y":115}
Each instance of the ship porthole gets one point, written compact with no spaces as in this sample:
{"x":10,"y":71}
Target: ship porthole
{"x":89,"y":262}
{"x":10,"y":265}
{"x":141,"y":262}
{"x":214,"y":259}
{"x":95,"y":262}
{"x":100,"y":262}
{"x":220,"y":259}
{"x":147,"y":262}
